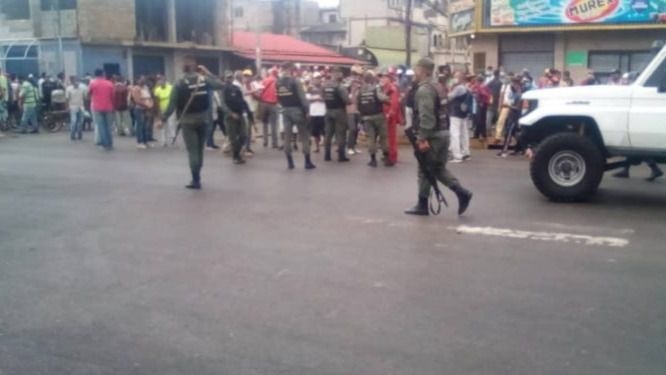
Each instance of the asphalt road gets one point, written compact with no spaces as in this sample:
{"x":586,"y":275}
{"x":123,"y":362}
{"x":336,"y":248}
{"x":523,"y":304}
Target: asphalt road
{"x":109,"y":266}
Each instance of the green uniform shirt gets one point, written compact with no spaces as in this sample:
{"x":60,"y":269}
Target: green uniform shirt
{"x":424,"y":101}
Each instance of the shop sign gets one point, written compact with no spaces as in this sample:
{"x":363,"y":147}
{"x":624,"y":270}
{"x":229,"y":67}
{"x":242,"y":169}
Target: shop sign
{"x":576,"y":58}
{"x":456,"y":6}
{"x":462,"y":21}
{"x":574,"y":12}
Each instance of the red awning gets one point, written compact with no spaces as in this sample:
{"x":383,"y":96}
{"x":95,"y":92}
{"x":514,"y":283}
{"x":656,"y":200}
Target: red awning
{"x":282,"y":48}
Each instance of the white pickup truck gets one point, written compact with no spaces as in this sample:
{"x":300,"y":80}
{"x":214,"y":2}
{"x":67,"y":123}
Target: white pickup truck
{"x":577,"y":130}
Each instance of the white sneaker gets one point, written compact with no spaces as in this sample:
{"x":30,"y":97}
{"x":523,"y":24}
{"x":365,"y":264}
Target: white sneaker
{"x":350,"y":152}
{"x":141,"y":146}
{"x":456,"y":161}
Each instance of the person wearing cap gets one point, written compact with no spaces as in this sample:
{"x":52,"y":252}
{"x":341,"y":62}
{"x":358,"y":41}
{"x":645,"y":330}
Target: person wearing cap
{"x":191,"y":103}
{"x":295,"y":107}
{"x":433,"y":142}
{"x":267,"y":110}
{"x":336,"y":98}
{"x":234,"y":106}
{"x":370,"y":104}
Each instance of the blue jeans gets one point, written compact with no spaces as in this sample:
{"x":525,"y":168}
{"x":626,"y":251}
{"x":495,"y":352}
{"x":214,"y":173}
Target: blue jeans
{"x":29,"y":116}
{"x":141,"y":128}
{"x":104,"y":121}
{"x":76,"y":123}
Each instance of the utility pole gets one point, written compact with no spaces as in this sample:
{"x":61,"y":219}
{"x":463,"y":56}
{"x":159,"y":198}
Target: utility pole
{"x":55,"y":5}
{"x":408,"y":32}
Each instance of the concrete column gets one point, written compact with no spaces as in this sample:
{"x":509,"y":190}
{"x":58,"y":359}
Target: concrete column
{"x":130,"y":64}
{"x":560,"y":52}
{"x":171,"y":21}
{"x":221,"y":23}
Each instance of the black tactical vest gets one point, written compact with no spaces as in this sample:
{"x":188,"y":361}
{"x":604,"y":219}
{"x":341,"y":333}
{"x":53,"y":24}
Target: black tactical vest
{"x":368,"y":102}
{"x":287,"y":93}
{"x":332,"y":96}
{"x":192,"y":87}
{"x":233,"y":98}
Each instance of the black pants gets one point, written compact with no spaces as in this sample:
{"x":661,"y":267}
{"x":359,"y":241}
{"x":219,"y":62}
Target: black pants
{"x":480,"y":130}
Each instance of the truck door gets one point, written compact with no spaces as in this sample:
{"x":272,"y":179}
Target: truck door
{"x":647,"y":118}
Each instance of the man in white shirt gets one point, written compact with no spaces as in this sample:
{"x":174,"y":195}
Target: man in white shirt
{"x":76,"y":94}
{"x":317,"y":109}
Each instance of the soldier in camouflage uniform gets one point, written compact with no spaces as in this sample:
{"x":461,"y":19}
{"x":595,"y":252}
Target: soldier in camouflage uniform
{"x":337,"y":99}
{"x":433,"y":141}
{"x":295,"y":106}
{"x":370,"y":103}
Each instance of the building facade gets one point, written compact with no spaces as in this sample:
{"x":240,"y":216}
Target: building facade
{"x":78,"y":36}
{"x":566,"y":35}
{"x":277,"y":17}
{"x":430,"y":30}
{"x":329,"y":31}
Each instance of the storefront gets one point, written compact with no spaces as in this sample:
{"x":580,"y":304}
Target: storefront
{"x":574,"y":35}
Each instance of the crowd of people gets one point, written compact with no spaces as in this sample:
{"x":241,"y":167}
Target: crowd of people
{"x":318,"y":106}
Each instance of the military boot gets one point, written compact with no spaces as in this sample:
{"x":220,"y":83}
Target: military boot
{"x":421,"y":208}
{"x":387,"y":161}
{"x":308,"y":162}
{"x":196,"y":181}
{"x":464,"y":198}
{"x":342,"y":158}
{"x":373,"y":161}
{"x":327,"y":154}
{"x":656,"y":173}
{"x":290,"y":162}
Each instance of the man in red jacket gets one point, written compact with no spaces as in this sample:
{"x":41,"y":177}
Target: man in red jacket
{"x":268,"y":111}
{"x":393,"y":114}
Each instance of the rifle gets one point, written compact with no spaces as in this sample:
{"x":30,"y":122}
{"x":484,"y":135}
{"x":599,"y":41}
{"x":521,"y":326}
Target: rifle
{"x":427,"y":173}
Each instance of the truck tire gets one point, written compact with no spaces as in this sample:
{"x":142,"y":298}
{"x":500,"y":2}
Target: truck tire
{"x":567,"y":167}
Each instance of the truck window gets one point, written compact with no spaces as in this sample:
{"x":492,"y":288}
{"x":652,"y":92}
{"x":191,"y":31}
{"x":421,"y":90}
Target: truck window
{"x":658,"y":76}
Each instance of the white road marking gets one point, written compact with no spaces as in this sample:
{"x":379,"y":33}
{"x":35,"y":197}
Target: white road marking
{"x":543,"y":236}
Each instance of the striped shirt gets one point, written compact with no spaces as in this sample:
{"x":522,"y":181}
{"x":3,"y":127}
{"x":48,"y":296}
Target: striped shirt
{"x":29,"y":95}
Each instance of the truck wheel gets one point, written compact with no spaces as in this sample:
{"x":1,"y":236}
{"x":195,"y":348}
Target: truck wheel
{"x":567,"y":167}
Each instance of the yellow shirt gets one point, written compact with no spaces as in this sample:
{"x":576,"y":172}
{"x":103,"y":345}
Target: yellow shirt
{"x":163,"y":95}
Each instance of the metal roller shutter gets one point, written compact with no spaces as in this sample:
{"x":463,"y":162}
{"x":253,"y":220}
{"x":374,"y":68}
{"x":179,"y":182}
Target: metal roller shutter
{"x":532,"y":52}
{"x":534,"y":62}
